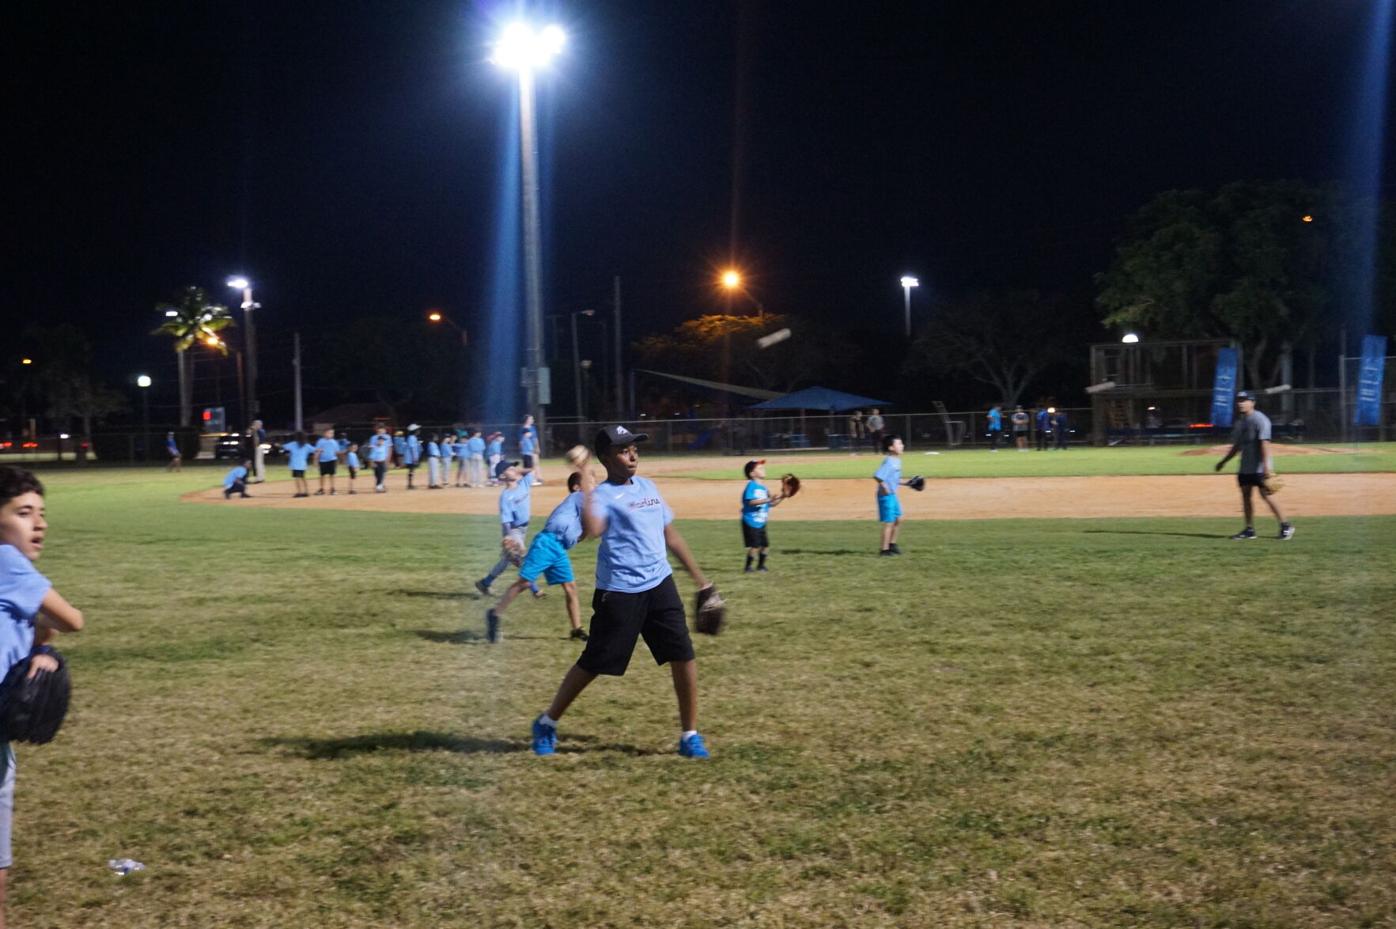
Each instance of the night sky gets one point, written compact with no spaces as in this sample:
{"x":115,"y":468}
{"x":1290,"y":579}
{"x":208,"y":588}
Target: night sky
{"x":348,"y":155}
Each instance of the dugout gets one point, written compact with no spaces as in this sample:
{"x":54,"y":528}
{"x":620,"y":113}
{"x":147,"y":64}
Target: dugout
{"x":1155,"y":391}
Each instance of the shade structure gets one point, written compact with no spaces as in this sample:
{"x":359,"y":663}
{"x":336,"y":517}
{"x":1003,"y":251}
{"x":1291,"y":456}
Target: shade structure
{"x":819,"y":398}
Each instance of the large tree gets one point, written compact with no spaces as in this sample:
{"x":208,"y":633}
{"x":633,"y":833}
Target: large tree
{"x":1003,"y":338}
{"x":191,"y":319}
{"x":1270,"y":264}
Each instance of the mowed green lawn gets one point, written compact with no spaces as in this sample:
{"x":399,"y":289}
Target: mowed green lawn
{"x":291,"y":717}
{"x":1075,"y":462}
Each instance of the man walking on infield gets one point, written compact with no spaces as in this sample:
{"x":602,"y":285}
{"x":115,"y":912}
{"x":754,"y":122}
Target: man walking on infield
{"x":1251,"y":438}
{"x":635,"y":591}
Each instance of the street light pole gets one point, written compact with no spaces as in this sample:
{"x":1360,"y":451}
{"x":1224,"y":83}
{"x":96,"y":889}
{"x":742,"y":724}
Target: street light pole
{"x":908,"y":282}
{"x":143,"y":382}
{"x":254,"y":409}
{"x":576,"y":367}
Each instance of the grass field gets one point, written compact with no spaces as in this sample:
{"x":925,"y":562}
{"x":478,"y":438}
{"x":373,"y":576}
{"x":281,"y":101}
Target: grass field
{"x":1078,"y":462}
{"x":292,"y":719}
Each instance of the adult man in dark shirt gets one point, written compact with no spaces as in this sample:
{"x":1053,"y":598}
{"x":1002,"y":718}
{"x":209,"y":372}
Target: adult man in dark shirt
{"x":1250,"y":438}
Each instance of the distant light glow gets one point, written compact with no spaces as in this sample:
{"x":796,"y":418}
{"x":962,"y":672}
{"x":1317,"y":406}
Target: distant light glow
{"x":143,"y":380}
{"x":239,"y":283}
{"x":212,"y":341}
{"x":64,"y":435}
{"x":434,"y":316}
{"x":1130,"y":338}
{"x":1307,"y":218}
{"x":910,"y":281}
{"x":731,"y":280}
{"x":26,"y":361}
{"x":172,"y":312}
{"x":520,"y":48}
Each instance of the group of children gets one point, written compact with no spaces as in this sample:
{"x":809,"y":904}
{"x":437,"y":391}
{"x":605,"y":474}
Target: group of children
{"x":476,"y":457}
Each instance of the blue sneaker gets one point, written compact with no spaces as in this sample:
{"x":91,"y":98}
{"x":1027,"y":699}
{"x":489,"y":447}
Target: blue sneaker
{"x":692,"y":747}
{"x":545,"y":738}
{"x":492,"y":625}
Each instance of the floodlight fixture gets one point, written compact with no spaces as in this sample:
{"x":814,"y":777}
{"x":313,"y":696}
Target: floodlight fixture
{"x":731,"y":279}
{"x":172,"y":312}
{"x":1130,"y":339}
{"x":143,"y":380}
{"x":239,"y":283}
{"x":26,"y":361}
{"x":910,"y":281}
{"x":522,"y":48}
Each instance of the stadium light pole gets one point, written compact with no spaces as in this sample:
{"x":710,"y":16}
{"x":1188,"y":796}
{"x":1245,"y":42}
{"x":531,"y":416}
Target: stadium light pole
{"x":524,"y":50}
{"x":576,"y":369}
{"x":254,"y":410}
{"x":143,"y":382}
{"x":908,"y":282}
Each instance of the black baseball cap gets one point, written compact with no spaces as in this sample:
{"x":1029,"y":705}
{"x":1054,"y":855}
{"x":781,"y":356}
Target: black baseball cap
{"x":503,"y":466}
{"x":616,"y":436}
{"x":1244,"y":395}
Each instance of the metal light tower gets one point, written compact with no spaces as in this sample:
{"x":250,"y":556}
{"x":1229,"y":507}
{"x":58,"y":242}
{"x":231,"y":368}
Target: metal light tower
{"x":908,"y":282}
{"x":523,"y":50}
{"x":254,"y":410}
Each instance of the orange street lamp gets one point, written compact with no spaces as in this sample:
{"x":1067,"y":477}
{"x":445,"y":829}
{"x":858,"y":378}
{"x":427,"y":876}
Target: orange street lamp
{"x":732,"y":280}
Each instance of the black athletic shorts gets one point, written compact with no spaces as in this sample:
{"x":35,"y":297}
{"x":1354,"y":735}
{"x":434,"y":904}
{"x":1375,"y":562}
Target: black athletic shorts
{"x":753,"y":537}
{"x":528,"y":462}
{"x":300,"y":473}
{"x":618,"y":619}
{"x":327,"y":468}
{"x":1250,"y":480}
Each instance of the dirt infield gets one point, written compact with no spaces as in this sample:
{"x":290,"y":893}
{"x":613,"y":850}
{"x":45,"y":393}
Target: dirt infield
{"x":1366,"y":494}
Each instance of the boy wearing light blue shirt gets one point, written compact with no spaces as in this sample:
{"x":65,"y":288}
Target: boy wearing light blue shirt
{"x":380,"y":448}
{"x":548,"y":556}
{"x":889,"y":478}
{"x":514,"y":504}
{"x":235,"y":481}
{"x":756,"y":509}
{"x":411,"y":454}
{"x":351,"y":461}
{"x":475,"y":448}
{"x":31,"y":611}
{"x":298,"y":452}
{"x":494,"y":454}
{"x":529,"y":449}
{"x":635,"y":591}
{"x":462,"y":453}
{"x":433,"y":462}
{"x":327,"y":457}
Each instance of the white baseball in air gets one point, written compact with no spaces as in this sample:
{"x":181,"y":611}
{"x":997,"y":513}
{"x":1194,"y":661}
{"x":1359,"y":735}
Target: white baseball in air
{"x":766,"y":341}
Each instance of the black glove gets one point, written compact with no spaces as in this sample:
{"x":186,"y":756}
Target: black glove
{"x":33,"y":710}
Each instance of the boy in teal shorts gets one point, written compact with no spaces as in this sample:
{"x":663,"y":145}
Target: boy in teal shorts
{"x":889,"y":478}
{"x":547,"y":555}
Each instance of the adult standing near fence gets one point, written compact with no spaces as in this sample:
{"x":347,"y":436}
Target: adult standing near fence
{"x":1044,"y":428}
{"x":995,"y":418}
{"x":1250,"y":438}
{"x":1061,"y":427}
{"x":855,"y":430}
{"x":875,"y":426}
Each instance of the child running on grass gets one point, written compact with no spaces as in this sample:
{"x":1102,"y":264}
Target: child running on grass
{"x":548,"y":556}
{"x":31,"y":611}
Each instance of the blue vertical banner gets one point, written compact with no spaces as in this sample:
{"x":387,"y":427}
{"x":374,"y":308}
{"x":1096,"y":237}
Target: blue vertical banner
{"x":1224,"y":388}
{"x":1369,"y":378}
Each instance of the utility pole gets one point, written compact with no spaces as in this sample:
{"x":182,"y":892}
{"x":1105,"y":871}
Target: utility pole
{"x":615,"y":358}
{"x":296,"y":366}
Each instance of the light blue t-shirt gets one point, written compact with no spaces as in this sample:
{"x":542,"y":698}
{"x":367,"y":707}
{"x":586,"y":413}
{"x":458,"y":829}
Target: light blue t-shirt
{"x":446,"y":448}
{"x":995,"y":421}
{"x":496,"y":447}
{"x":633,"y":556}
{"x":565,"y":521}
{"x":476,"y":446}
{"x":327,"y":449}
{"x":233,"y":476}
{"x":433,"y":450}
{"x":411,"y":450}
{"x":755,"y":508}
{"x":514,"y":502}
{"x":299,"y":453}
{"x":352,"y":460}
{"x":460,"y":449}
{"x":22,"y":592}
{"x":891,"y":472}
{"x":379,"y":446}
{"x":528,"y":445}
{"x":399,"y":445}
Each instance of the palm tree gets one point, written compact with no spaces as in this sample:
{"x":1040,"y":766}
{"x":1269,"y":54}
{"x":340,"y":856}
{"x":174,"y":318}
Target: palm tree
{"x":192,"y":319}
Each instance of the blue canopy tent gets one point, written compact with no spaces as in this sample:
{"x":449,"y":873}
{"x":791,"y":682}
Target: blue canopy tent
{"x":813,"y":398}
{"x":819,"y":398}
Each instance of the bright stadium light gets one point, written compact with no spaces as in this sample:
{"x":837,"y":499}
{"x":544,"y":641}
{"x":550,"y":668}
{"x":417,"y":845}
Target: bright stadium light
{"x":1130,"y":338}
{"x":239,"y":283}
{"x":908,"y":282}
{"x":520,"y":48}
{"x":143,"y":380}
{"x":731,"y":280}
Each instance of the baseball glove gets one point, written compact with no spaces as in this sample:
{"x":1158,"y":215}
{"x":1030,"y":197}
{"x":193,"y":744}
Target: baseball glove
{"x":789,"y":485}
{"x":710,"y":613}
{"x":1272,"y":484}
{"x":512,"y":550}
{"x":917,"y":483}
{"x":32,"y":710}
